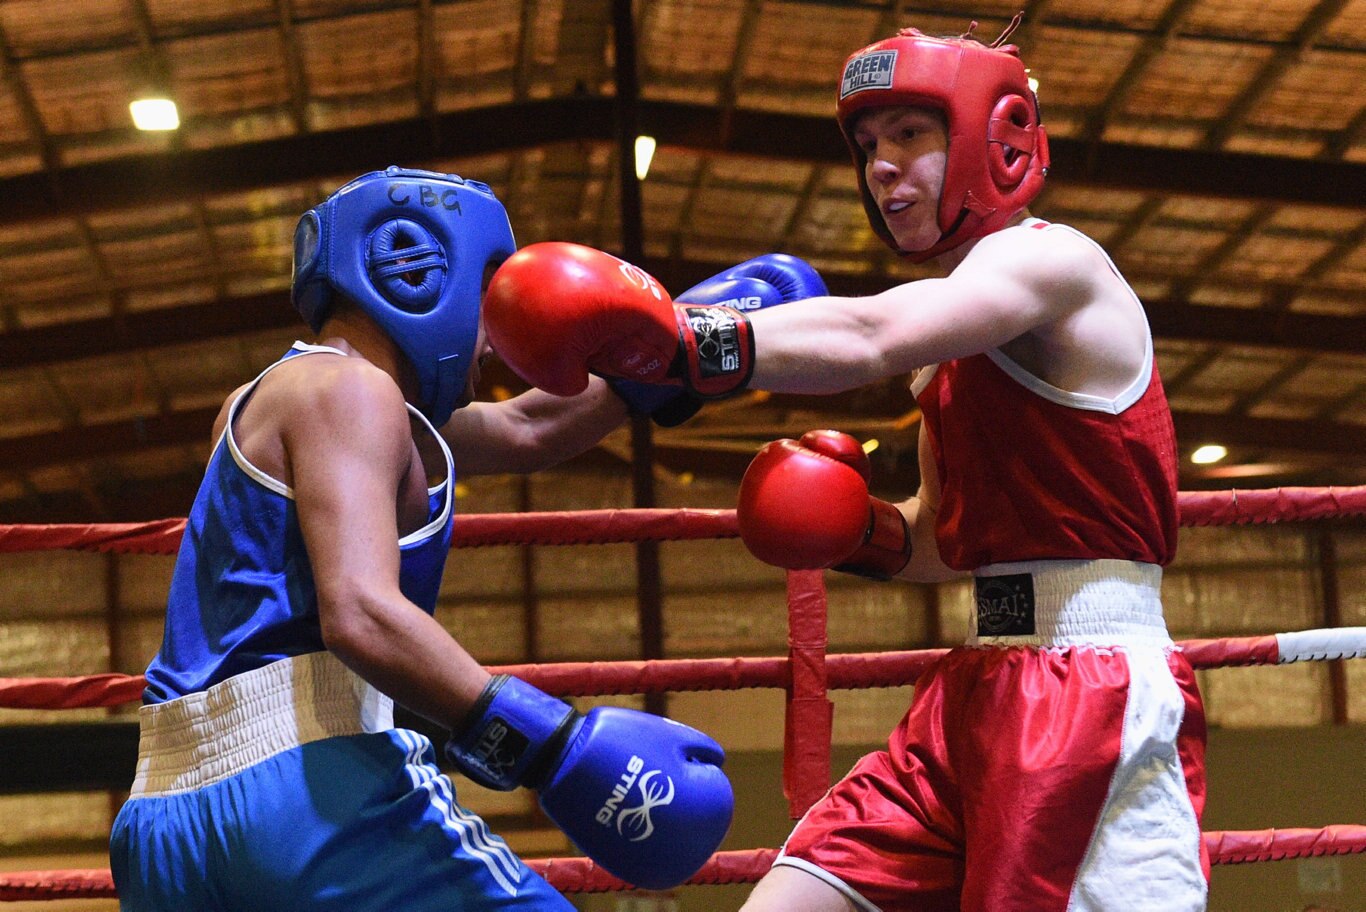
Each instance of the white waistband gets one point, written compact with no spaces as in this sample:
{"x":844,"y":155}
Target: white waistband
{"x":1074,"y":602}
{"x":206,"y":737}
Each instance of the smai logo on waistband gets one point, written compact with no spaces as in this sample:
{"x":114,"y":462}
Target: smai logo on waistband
{"x":1005,"y":605}
{"x":868,"y":71}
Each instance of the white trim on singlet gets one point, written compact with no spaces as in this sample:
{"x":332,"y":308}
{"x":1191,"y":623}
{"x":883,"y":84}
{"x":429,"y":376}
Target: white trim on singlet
{"x":923,"y":378}
{"x":265,"y":480}
{"x":1045,"y":390}
{"x":1040,"y":387}
{"x":440,"y":519}
{"x":836,"y":883}
{"x":271,"y":483}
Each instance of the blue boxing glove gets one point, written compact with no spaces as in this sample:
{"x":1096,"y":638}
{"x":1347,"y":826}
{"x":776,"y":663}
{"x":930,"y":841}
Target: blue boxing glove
{"x":641,"y":795}
{"x":774,"y":278}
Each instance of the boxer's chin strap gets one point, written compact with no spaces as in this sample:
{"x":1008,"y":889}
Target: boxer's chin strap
{"x":447,"y":393}
{"x":971,"y":206}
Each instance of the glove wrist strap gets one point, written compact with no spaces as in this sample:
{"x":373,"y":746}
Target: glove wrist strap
{"x":886,"y":548}
{"x":716,"y":349}
{"x":514,"y":735}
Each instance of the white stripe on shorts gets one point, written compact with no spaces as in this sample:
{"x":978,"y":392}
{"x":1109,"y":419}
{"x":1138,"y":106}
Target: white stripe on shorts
{"x":1145,"y":851}
{"x":473,"y":832}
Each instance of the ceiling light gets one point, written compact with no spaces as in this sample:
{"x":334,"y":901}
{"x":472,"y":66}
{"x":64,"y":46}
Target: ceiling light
{"x":645,"y":153}
{"x":1254,"y":470}
{"x":154,"y":114}
{"x":870,"y":444}
{"x":1209,"y":453}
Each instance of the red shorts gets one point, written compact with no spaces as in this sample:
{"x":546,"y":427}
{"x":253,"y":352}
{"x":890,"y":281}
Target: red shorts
{"x":1026,"y":779}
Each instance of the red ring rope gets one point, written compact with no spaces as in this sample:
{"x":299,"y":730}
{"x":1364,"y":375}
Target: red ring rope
{"x":580,"y":875}
{"x":1198,"y":508}
{"x":808,"y":672}
{"x":843,"y":671}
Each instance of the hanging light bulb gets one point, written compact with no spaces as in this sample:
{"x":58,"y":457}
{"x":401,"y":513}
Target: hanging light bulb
{"x":645,"y":153}
{"x":1208,"y":454}
{"x":154,"y":112}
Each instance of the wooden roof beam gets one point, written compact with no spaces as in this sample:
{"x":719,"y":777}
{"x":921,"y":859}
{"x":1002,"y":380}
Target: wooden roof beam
{"x":234,"y":317}
{"x":152,"y":178}
{"x":1125,"y":83}
{"x":1318,"y":19}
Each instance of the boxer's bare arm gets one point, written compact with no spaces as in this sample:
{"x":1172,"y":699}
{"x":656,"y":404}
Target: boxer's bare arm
{"x":532,"y":431}
{"x":220,"y":422}
{"x":925,"y":565}
{"x":785,"y":888}
{"x":349,"y":449}
{"x":1017,"y":286}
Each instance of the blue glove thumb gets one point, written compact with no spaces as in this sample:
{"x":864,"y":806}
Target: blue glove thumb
{"x":792,"y":278}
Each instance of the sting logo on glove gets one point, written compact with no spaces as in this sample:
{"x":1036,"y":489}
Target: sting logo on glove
{"x":653,"y":794}
{"x":595,"y":784}
{"x":640,"y":278}
{"x":637,"y":819}
{"x":717,"y":339}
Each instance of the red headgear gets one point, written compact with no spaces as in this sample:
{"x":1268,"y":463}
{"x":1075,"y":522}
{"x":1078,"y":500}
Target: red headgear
{"x":998,"y":152}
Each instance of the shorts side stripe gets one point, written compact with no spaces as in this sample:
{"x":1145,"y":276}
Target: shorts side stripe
{"x":473,"y":832}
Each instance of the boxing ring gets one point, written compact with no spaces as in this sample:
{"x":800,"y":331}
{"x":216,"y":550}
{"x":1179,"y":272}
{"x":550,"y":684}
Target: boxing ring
{"x":806,"y":674}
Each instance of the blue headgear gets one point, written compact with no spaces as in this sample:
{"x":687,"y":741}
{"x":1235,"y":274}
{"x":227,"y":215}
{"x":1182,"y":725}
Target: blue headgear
{"x":410,"y":249}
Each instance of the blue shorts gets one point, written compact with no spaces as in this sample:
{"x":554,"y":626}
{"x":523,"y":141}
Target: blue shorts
{"x":346,"y":822}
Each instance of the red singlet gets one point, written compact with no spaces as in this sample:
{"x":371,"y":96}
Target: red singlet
{"x":1056,"y":763}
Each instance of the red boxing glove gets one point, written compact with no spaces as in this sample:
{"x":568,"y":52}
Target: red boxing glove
{"x":556,"y":312}
{"x":804,"y":505}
